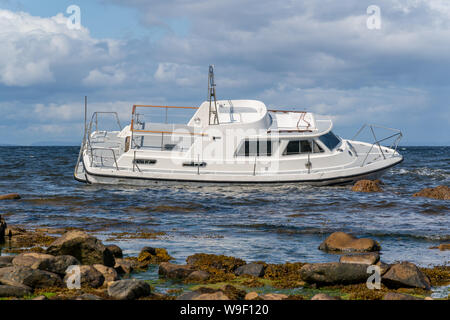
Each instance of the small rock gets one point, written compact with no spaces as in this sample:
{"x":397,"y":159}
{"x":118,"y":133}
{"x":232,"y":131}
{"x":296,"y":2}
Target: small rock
{"x":251,"y":296}
{"x":108,"y":273}
{"x":220,"y":262}
{"x":88,"y":296}
{"x":334,"y":273}
{"x":84,"y":247}
{"x":439,"y":193}
{"x":175,"y":271}
{"x":399,"y":296}
{"x":341,"y":241}
{"x":218,"y":295}
{"x":149,"y":255}
{"x":199,"y":275}
{"x":115,"y":250}
{"x":129,"y":289}
{"x":273,"y":296}
{"x":89,"y":277}
{"x":252,"y":269}
{"x":123,"y":266}
{"x":13,"y":291}
{"x":10,"y":196}
{"x":188,"y":295}
{"x":367,"y":186}
{"x":6,"y":261}
{"x":29,"y":277}
{"x":361,"y":258}
{"x":406,"y":275}
{"x":149,"y":250}
{"x":429,"y":298}
{"x":384,"y":267}
{"x":323,"y":296}
{"x":40,"y":298}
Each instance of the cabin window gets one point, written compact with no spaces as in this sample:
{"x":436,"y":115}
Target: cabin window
{"x":301,"y":146}
{"x":330,"y":140}
{"x":255,"y":148}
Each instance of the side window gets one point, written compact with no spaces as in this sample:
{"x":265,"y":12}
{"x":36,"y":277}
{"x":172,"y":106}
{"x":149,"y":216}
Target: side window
{"x":301,"y":146}
{"x":255,"y":148}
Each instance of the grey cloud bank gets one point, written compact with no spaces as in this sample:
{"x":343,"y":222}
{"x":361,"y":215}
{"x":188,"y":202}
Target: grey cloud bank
{"x":315,"y":55}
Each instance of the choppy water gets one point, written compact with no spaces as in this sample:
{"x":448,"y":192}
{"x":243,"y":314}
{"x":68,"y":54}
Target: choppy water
{"x":271,"y":223}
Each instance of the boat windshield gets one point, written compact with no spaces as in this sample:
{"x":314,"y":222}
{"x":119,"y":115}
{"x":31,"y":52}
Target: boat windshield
{"x":330,"y":140}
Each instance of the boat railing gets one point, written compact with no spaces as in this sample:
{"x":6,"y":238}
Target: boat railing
{"x":395,"y":138}
{"x":100,"y":159}
{"x":159,"y":137}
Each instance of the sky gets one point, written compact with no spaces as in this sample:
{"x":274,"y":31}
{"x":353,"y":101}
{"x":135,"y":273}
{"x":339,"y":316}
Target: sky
{"x":335,"y":58}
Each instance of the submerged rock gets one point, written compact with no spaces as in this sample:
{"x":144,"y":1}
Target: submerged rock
{"x":439,"y":193}
{"x":252,"y":269}
{"x":344,"y":242}
{"x":334,"y":273}
{"x":86,"y":248}
{"x":129,"y":289}
{"x":367,"y":186}
{"x":14,"y":291}
{"x":405,"y":275}
{"x":175,"y":271}
{"x":29,"y":277}
{"x":10,"y":196}
{"x":360,"y":258}
{"x":219,"y":262}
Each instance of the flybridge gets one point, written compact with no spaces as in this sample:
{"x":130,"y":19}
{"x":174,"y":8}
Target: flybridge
{"x":229,"y":141}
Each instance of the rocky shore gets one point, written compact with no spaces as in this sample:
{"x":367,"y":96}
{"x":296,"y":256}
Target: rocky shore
{"x":48,"y":267}
{"x":71,"y":264}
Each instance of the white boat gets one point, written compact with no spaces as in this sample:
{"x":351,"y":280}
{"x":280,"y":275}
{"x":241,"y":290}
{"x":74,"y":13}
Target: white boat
{"x":230,"y":141}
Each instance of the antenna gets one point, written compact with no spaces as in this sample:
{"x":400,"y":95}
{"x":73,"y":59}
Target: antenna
{"x":213,"y":116}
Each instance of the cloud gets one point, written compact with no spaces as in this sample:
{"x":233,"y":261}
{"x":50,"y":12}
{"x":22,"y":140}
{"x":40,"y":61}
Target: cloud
{"x":315,"y":55}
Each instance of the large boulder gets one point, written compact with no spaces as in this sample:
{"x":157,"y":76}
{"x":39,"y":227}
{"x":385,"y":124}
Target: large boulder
{"x":361,"y":258}
{"x":252,"y":269}
{"x":59,"y":264}
{"x":89,"y":277}
{"x":344,"y":242}
{"x":334,"y":273}
{"x":175,"y":271}
{"x":84,"y":247}
{"x":6,"y":261}
{"x":440,"y":193}
{"x":32,"y":260}
{"x":29,"y":277}
{"x":14,"y":291}
{"x":405,"y":275}
{"x":129,"y":289}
